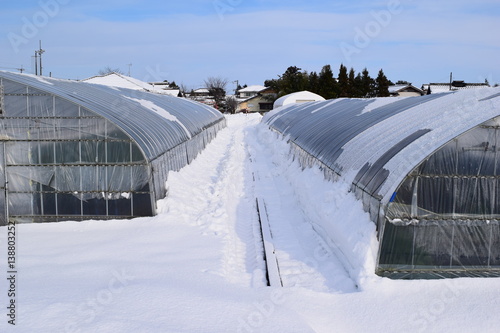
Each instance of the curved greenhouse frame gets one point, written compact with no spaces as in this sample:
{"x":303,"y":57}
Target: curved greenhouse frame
{"x":71,"y":150}
{"x":427,"y":169}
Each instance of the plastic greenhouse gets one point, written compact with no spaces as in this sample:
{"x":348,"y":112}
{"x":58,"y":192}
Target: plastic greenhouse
{"x":71,"y":150}
{"x":427,"y":169}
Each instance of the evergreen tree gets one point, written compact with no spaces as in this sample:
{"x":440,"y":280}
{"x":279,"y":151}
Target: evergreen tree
{"x":358,"y":83}
{"x":327,"y":83}
{"x":314,"y":84}
{"x":343,"y":81}
{"x":274,"y":84}
{"x":353,"y":86}
{"x":347,"y":84}
{"x":367,"y":84}
{"x":294,"y":80}
{"x":173,"y":85}
{"x":291,"y":81}
{"x":382,"y":84}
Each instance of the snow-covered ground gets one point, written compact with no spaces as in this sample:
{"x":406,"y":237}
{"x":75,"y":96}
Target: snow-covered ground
{"x":198,"y":265}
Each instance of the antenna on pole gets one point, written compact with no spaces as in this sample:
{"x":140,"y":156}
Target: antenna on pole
{"x":40,"y":54}
{"x":129,"y":65}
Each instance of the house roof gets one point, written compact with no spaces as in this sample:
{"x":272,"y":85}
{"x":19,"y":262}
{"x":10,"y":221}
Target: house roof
{"x":201,"y":91}
{"x":254,"y":88}
{"x":455,"y":85}
{"x":400,"y":87}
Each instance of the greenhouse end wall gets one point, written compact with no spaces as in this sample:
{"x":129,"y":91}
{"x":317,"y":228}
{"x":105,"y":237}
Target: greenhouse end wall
{"x":426,"y":169}
{"x":444,"y":217}
{"x":62,"y":161}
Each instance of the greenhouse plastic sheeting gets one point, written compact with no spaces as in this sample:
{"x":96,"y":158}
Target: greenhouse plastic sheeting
{"x":426,"y":168}
{"x":130,"y":110}
{"x":73,"y":150}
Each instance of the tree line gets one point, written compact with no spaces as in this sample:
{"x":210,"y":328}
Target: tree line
{"x":348,"y":83}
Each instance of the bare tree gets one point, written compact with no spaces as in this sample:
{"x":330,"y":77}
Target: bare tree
{"x":217,"y":88}
{"x":183,"y":90}
{"x":231,"y":104}
{"x":108,"y":70}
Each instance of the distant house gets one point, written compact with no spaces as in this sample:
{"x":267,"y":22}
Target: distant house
{"x":405,"y":90}
{"x":202,"y":95}
{"x":165,"y":86}
{"x":297,"y":97}
{"x":451,"y":86}
{"x":250,"y":91}
{"x":255,"y":99}
{"x":123,"y":81}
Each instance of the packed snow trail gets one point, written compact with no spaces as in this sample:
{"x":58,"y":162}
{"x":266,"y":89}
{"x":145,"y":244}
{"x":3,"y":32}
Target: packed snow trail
{"x":227,"y":206}
{"x":239,"y":166}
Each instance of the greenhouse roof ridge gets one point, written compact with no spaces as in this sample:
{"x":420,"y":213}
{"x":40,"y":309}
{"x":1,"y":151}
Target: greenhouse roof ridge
{"x":375,"y":149}
{"x":157,"y":122}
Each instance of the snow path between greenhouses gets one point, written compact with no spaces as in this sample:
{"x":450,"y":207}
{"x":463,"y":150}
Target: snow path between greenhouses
{"x":243,"y":167}
{"x":198,"y":265}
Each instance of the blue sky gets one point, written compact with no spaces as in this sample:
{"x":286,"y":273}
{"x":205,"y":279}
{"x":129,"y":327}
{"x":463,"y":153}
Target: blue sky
{"x":254,"y":40}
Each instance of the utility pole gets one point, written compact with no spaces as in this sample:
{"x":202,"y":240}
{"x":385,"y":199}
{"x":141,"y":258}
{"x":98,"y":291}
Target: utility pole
{"x":40,"y":54}
{"x":36,"y":63}
{"x":129,"y":65}
{"x":237,"y":84}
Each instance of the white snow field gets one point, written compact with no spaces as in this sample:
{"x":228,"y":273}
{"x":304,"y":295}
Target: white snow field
{"x":198,"y":265}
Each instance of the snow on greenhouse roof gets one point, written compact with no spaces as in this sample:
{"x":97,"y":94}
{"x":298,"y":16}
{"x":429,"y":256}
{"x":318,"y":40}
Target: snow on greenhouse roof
{"x":297,"y":97}
{"x":123,"y":81}
{"x":156,"y":122}
{"x":389,"y":140}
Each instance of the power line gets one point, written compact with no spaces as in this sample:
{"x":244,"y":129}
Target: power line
{"x":20,"y":69}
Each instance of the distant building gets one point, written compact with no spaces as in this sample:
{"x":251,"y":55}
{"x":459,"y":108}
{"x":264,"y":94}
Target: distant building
{"x":405,"y":90}
{"x":297,"y":97}
{"x":202,"y":95}
{"x":200,"y":92}
{"x":255,"y":99}
{"x":434,"y":88}
{"x":250,"y":91}
{"x":123,"y":81}
{"x":165,"y":86}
